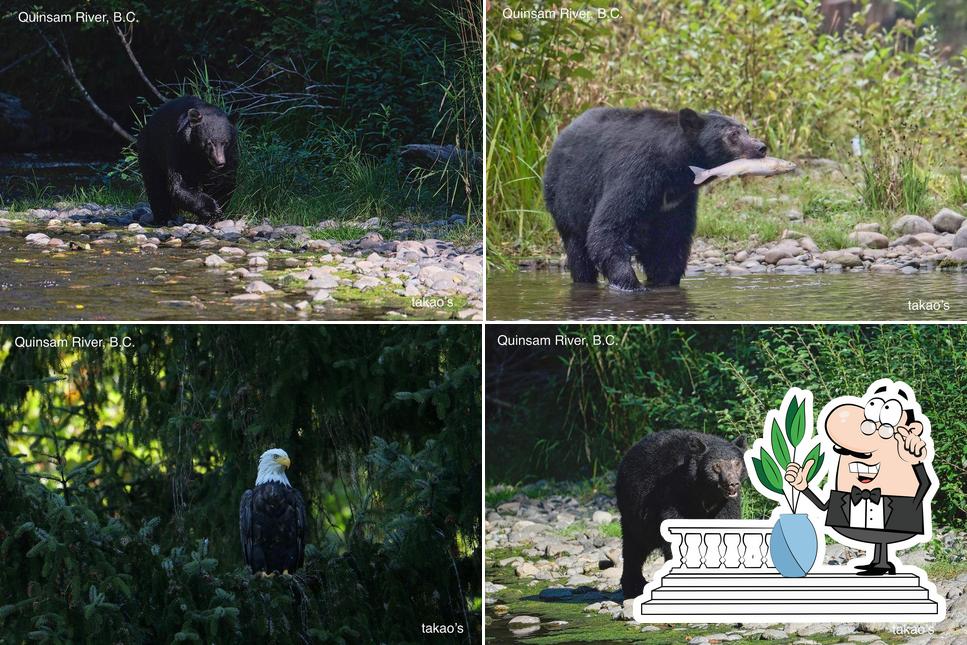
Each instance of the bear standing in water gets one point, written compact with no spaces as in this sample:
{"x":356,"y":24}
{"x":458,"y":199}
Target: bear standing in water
{"x":670,"y":475}
{"x":618,"y":184}
{"x":188,"y":155}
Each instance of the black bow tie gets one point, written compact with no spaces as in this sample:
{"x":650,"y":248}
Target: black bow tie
{"x":856,"y":495}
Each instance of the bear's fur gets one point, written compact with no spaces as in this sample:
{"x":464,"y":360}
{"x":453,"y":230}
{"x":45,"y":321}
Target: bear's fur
{"x":188,"y":156}
{"x":617,"y":183}
{"x":668,"y":475}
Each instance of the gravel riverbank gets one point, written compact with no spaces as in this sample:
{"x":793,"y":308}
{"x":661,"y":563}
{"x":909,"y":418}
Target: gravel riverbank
{"x":547,"y":555}
{"x":294,"y":268}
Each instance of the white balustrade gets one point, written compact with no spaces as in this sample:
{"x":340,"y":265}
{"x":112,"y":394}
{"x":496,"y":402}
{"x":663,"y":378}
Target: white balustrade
{"x":724,"y":545}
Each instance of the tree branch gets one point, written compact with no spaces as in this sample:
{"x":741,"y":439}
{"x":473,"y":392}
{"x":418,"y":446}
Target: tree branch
{"x":22,"y":59}
{"x":126,"y":41}
{"x":69,"y":68}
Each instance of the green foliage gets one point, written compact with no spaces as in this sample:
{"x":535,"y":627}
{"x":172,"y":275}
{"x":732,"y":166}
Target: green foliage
{"x":807,"y":93}
{"x":121,"y":473}
{"x":796,"y":421}
{"x":779,"y":447}
{"x":817,"y":457}
{"x":588,"y":404}
{"x":300,"y":74}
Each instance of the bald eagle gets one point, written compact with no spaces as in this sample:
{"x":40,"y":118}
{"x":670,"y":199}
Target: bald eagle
{"x":272,"y":518}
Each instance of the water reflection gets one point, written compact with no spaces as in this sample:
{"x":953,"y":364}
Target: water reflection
{"x":550,"y":295}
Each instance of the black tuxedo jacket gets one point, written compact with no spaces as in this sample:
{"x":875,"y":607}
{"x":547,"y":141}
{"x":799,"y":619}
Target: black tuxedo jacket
{"x":900,"y":513}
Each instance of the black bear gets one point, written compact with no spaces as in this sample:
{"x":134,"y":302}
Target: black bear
{"x":188,"y":155}
{"x":617,"y":183}
{"x":668,"y":475}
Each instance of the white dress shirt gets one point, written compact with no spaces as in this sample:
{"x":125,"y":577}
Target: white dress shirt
{"x":866,"y":514}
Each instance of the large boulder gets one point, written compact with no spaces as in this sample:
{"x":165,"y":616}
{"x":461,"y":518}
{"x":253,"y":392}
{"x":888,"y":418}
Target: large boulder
{"x":869,"y":239}
{"x":947,"y":221}
{"x":960,"y":239}
{"x":912,"y":224}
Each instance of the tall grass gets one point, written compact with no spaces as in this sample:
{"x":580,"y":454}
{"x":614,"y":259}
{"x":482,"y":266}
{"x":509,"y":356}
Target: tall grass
{"x":588,"y":409}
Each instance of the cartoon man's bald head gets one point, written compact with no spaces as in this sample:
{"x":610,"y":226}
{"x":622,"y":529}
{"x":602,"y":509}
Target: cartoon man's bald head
{"x":878,"y":441}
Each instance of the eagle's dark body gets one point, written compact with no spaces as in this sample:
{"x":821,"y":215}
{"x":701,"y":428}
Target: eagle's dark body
{"x":272,"y":521}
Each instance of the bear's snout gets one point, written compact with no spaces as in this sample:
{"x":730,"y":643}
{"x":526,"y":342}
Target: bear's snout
{"x":760,"y":149}
{"x":730,"y":488}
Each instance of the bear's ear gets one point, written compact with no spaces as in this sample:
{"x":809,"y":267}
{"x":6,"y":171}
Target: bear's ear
{"x":194,"y":116}
{"x":697,"y":446}
{"x":739,"y":442}
{"x":690,"y":120}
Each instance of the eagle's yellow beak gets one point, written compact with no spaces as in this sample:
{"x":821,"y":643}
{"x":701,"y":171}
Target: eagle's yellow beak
{"x":284,"y":461}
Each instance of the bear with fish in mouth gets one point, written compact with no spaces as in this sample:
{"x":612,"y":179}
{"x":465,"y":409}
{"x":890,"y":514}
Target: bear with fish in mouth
{"x":618,"y":185}
{"x":670,"y":475}
{"x":188,"y":154}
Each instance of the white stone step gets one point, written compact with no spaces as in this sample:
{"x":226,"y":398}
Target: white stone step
{"x":775,"y":580}
{"x":712,"y":594}
{"x":793,"y":611}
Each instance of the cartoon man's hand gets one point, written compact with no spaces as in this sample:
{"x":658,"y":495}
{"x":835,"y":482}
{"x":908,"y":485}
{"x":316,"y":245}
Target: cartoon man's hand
{"x":796,"y":474}
{"x":911,"y":447}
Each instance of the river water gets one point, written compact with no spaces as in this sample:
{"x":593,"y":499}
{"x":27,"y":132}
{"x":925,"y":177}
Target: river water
{"x":117,"y":282}
{"x":57,"y":173}
{"x":550,"y":295}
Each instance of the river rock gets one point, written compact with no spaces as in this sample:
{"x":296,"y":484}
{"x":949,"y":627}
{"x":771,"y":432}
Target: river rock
{"x":794,"y":215}
{"x":602,"y":517}
{"x":907,"y":240}
{"x":258,"y":287}
{"x":751,"y":200}
{"x":526,"y":570}
{"x":37,"y":239}
{"x":871,"y":227}
{"x":773,"y":635}
{"x":869,"y":239}
{"x":214,"y":261}
{"x":258,"y":262}
{"x":231,"y":250}
{"x":778,"y":252}
{"x":323,"y":281}
{"x":883,"y":267}
{"x":844,"y":258}
{"x":809,"y":245}
{"x":958,"y":256}
{"x":524,"y":621}
{"x":960,"y":239}
{"x":911,"y":224}
{"x":366,"y":282}
{"x":947,"y":221}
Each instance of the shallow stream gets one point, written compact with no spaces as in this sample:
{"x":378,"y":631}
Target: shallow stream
{"x":550,"y":295}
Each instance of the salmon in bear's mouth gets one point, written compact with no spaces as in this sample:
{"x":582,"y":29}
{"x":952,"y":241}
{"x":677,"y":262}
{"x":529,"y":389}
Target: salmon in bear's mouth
{"x":865,"y":473}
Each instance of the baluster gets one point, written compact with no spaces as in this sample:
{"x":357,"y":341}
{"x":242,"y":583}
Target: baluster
{"x":766,"y":539}
{"x":753,"y":553}
{"x":733,"y":557}
{"x":680,"y":547}
{"x":693,"y":555}
{"x":713,"y":550}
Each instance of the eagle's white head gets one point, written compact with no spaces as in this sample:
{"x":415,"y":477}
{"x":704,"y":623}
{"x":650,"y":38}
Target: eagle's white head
{"x":272,"y":466}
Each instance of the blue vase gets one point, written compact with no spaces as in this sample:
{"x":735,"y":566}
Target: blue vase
{"x":793,"y":546}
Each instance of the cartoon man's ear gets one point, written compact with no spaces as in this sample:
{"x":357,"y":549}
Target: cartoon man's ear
{"x":915,"y":427}
{"x":697,"y":446}
{"x":740,"y":442}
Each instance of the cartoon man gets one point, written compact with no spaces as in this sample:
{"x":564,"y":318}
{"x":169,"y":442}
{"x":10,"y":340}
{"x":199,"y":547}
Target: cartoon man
{"x":881,"y":483}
